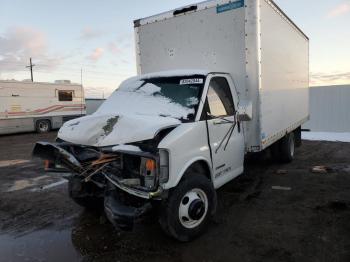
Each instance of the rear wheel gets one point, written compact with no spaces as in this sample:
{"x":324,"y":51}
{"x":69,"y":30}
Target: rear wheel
{"x":287,"y":148}
{"x":284,"y":149}
{"x":189,"y":207}
{"x":43,"y":126}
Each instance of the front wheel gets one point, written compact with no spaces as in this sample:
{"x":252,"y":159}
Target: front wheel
{"x":189,"y":207}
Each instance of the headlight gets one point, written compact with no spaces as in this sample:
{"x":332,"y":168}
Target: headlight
{"x":164,"y":166}
{"x":148,"y":169}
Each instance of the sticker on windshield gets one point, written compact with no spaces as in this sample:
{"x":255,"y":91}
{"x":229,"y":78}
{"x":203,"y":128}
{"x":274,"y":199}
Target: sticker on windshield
{"x":192,"y":81}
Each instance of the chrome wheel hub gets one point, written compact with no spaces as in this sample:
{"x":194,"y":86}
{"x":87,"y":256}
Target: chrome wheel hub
{"x":193,"y":208}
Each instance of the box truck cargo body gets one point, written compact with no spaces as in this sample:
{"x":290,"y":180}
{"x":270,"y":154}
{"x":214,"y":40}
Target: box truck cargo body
{"x":217,"y":80}
{"x":28,"y":106}
{"x":265,"y":53}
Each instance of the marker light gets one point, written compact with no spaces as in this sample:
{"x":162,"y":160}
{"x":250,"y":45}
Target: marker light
{"x":150,"y":165}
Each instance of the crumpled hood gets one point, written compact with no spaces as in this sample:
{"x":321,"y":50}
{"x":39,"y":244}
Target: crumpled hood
{"x":106,"y":130}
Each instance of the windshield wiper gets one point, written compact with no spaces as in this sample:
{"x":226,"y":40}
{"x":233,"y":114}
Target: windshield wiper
{"x":164,"y":115}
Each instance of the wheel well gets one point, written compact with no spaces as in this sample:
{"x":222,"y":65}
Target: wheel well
{"x":46,"y":119}
{"x":201,"y":167}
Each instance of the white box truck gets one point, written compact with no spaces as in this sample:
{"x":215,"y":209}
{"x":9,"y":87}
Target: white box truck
{"x":36,"y":106}
{"x":217,"y":80}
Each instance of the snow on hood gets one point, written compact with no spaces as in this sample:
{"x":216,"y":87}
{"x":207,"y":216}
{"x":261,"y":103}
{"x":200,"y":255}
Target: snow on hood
{"x":136,"y":111}
{"x":107,"y":130}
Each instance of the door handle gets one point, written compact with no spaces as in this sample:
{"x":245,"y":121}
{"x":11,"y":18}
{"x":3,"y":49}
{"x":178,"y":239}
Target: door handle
{"x":221,"y":122}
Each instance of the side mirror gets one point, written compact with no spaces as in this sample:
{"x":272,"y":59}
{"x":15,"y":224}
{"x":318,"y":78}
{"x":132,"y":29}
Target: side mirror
{"x":245,"y":111}
{"x":210,"y":116}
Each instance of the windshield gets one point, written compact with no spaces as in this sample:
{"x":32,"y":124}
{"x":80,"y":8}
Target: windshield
{"x":176,"y":97}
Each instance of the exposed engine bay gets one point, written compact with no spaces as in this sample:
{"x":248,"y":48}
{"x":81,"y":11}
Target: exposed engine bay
{"x":135,"y":170}
{"x":125,"y":181}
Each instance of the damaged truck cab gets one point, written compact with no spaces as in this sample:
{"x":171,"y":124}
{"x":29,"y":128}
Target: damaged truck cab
{"x":168,"y":138}
{"x":173,"y":139}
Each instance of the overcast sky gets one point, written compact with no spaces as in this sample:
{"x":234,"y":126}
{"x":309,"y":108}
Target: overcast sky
{"x":97,"y":35}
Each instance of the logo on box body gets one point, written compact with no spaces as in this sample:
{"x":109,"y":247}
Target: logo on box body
{"x":229,"y":6}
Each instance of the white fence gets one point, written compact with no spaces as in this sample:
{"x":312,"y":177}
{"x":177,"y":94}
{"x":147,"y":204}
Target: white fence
{"x":329,"y":109}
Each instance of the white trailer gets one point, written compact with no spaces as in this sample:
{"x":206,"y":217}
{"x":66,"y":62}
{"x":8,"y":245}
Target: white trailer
{"x":216,"y":80}
{"x":28,"y":106}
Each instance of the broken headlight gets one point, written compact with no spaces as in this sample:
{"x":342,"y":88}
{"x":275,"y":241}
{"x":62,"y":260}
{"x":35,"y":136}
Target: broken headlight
{"x":148,"y":170}
{"x":152,"y":172}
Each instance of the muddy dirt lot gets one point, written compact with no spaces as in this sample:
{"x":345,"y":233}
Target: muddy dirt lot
{"x":307,"y":218}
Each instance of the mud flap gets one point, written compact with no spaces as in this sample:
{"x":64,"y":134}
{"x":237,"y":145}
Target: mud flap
{"x":122,"y":216}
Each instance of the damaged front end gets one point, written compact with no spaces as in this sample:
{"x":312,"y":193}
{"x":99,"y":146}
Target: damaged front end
{"x":127,"y":180}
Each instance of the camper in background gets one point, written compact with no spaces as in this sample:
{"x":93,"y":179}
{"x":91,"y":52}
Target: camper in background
{"x":34,"y":106}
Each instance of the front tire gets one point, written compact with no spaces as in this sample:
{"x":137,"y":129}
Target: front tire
{"x":189,"y":207}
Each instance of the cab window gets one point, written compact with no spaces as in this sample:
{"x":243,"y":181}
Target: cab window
{"x":220,"y":102}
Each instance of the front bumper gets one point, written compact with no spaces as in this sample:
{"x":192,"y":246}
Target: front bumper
{"x":120,"y":215}
{"x":58,"y":159}
{"x":142,"y":194}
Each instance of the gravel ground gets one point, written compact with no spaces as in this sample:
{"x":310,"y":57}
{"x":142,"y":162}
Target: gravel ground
{"x":272,"y":212}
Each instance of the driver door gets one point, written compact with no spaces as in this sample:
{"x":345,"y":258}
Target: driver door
{"x":225,"y":135}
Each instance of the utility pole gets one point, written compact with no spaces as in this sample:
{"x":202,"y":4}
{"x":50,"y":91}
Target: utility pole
{"x":31,"y":68}
{"x":81,"y":91}
{"x":81,"y":76}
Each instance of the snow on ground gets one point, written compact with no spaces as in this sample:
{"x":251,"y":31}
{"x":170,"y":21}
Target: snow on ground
{"x":326,"y":136}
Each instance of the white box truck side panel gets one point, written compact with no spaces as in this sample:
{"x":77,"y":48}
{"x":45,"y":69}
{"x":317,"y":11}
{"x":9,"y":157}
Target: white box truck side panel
{"x":213,"y":38}
{"x":284,"y":90}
